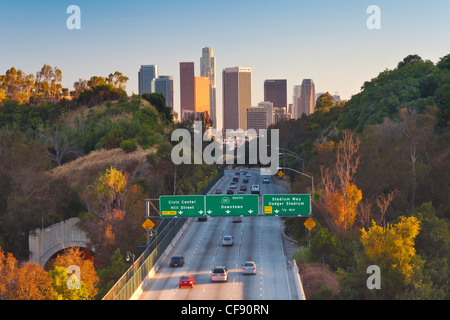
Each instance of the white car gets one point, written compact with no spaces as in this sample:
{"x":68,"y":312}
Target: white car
{"x":233,"y":185}
{"x":249,"y":267}
{"x":219,"y":273}
{"x":227,"y":241}
{"x":255,"y":189}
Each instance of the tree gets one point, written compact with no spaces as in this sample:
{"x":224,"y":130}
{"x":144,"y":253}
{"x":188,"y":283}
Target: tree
{"x":23,"y":282}
{"x":108,"y":193}
{"x":444,"y":62}
{"x":383,"y":201}
{"x":109,"y":275}
{"x":323,"y":243}
{"x":418,"y":129}
{"x":117,"y":79}
{"x":48,"y":83}
{"x":61,"y":141}
{"x":17,"y":86}
{"x":343,"y":208}
{"x":393,"y":246}
{"x":324,"y":103}
{"x":412,"y":58}
{"x":89,"y":279}
{"x":341,"y":194}
{"x":115,"y":215}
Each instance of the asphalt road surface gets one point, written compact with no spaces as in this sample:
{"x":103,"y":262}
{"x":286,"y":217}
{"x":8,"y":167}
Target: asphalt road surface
{"x":255,"y":238}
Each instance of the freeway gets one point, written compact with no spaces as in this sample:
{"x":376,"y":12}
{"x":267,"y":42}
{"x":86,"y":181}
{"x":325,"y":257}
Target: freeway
{"x":256,"y":238}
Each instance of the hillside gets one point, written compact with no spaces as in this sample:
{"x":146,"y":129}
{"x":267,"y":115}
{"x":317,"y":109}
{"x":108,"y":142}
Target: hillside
{"x":380,"y":167}
{"x":85,"y":168}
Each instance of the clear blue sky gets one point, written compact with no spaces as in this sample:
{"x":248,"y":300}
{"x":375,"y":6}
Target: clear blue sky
{"x":327,"y":41}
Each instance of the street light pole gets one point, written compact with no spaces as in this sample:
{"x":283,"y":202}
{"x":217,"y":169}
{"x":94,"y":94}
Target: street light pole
{"x":311,"y":177}
{"x":130,"y":256}
{"x":292,"y":154}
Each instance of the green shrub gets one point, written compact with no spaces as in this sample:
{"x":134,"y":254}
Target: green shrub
{"x":128,"y":146}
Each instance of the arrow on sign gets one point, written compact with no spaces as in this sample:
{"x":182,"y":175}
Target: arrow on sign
{"x":228,"y":211}
{"x":201,"y":212}
{"x":209,"y":211}
{"x":276,"y":211}
{"x":180,"y":212}
{"x":250,"y":211}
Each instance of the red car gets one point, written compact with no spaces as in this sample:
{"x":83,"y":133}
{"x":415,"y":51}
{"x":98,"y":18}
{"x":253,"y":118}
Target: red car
{"x":186,"y":281}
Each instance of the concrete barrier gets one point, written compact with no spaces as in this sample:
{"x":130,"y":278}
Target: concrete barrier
{"x":298,"y":281}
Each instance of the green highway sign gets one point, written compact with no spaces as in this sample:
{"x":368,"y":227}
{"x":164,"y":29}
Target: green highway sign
{"x":182,"y":206}
{"x":287,"y":204}
{"x":232,"y":205}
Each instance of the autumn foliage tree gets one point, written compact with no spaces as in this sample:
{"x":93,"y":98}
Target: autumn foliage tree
{"x":107,"y":193}
{"x":88,"y":282}
{"x":393,"y":249}
{"x":116,"y":214}
{"x":27,"y":281}
{"x":342,"y":196}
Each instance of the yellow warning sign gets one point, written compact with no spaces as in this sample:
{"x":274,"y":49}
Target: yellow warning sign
{"x":280,"y":173}
{"x":309,"y":223}
{"x":148,"y":224}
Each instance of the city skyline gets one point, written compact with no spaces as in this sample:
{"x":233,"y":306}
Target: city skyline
{"x":325,"y":41}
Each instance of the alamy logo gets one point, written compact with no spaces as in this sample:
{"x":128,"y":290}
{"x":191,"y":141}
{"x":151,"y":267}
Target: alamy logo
{"x":73,"y":21}
{"x":74,"y":280}
{"x":373,"y":281}
{"x":234,"y":145}
{"x":374,"y":20}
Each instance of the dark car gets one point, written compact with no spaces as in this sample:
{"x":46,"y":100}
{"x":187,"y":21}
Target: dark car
{"x":243,"y":188}
{"x":186,"y":281}
{"x":177,"y":261}
{"x":218,"y":191}
{"x":245,"y":180}
{"x":230,"y":191}
{"x":237,"y":173}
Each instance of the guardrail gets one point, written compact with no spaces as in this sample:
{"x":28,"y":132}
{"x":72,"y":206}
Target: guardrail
{"x":124,"y":288}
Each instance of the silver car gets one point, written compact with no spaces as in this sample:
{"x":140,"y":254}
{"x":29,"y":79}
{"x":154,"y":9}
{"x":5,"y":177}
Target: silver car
{"x":219,"y":273}
{"x":249,"y":267}
{"x":227,"y":241}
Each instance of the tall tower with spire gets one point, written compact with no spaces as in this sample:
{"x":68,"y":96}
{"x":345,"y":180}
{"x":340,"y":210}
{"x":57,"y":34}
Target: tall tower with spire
{"x":208,"y":69}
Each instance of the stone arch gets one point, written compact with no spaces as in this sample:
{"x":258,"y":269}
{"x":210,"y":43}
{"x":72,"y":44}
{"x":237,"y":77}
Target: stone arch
{"x":44,"y":243}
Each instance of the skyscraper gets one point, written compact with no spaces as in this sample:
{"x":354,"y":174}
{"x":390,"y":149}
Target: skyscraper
{"x":295,"y":101}
{"x":146,"y":74}
{"x":187,"y":88}
{"x":275,"y":91}
{"x":307,"y":101}
{"x":208,"y":69}
{"x":164,"y":85}
{"x":269,"y":107}
{"x":257,"y":118}
{"x":307,"y":97}
{"x":237,"y":96}
{"x":201,"y":96}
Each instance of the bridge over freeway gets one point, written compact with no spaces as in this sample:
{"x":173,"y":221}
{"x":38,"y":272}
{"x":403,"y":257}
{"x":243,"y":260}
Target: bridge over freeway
{"x":45,"y":242}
